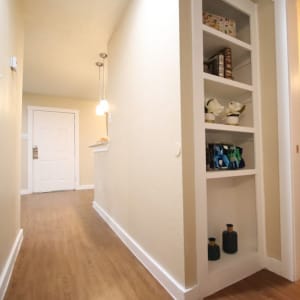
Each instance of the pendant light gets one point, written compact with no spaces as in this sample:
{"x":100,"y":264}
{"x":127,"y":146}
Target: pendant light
{"x":103,"y":107}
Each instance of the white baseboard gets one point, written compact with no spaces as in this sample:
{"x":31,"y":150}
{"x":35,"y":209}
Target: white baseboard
{"x":25,"y":192}
{"x":175,"y":289}
{"x":274,"y":265}
{"x":193,"y":293}
{"x":78,"y":188}
{"x":9,"y":265}
{"x":85,"y":187}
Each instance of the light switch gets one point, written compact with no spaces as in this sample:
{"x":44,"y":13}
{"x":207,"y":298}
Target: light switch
{"x":178,"y":150}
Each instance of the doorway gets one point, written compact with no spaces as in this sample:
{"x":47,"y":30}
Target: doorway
{"x":53,"y":160}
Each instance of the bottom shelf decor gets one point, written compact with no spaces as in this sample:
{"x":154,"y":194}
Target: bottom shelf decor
{"x":213,"y":249}
{"x":224,"y":156}
{"x":230,"y":240}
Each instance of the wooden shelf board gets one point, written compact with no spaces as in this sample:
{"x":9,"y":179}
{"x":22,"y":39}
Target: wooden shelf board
{"x":226,"y":84}
{"x":229,"y":173}
{"x":215,"y":41}
{"x":221,"y":90}
{"x":226,"y":38}
{"x":231,"y":128}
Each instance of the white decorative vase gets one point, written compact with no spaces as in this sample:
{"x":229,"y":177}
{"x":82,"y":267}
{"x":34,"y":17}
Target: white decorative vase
{"x":210,"y":117}
{"x":232,"y":120}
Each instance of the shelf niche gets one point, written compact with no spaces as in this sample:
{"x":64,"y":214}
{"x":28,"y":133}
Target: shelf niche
{"x":215,"y":91}
{"x":215,"y":41}
{"x":243,"y":140}
{"x":221,"y":8}
{"x":232,"y":200}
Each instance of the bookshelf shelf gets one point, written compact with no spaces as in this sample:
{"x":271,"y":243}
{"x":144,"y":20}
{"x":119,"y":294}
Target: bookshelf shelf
{"x":235,"y":10}
{"x":231,"y":265}
{"x":229,"y":128}
{"x":227,"y":196}
{"x":216,"y":40}
{"x":235,"y":86}
{"x":227,"y":174}
{"x":230,"y":261}
{"x":227,"y":39}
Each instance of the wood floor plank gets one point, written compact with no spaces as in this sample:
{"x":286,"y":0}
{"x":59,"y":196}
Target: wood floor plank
{"x":69,"y":252}
{"x":260,"y":286}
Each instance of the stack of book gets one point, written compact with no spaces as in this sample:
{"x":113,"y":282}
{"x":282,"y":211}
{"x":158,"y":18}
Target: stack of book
{"x":220,"y":64}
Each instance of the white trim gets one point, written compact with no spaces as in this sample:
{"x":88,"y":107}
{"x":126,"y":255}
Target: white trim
{"x":274,"y":265}
{"x":258,"y":147}
{"x":9,"y":265}
{"x":29,"y":148}
{"x":53,"y":109}
{"x":284,"y":142}
{"x":85,"y":187}
{"x":175,"y":289}
{"x":31,"y":109}
{"x":25,"y":192}
{"x":193,"y":293}
{"x":77,"y":172}
{"x":24,"y":136}
{"x":100,"y":147}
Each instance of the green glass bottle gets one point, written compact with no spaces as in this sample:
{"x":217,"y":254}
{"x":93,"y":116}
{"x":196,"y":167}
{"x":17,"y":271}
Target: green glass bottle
{"x":213,"y":249}
{"x":230,"y":240}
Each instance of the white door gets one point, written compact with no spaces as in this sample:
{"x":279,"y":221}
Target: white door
{"x":53,"y":140}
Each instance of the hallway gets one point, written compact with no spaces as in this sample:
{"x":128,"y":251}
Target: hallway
{"x":68,"y":252}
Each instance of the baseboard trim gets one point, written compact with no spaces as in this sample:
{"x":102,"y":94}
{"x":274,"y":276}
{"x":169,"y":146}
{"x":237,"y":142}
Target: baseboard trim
{"x":175,"y":289}
{"x":85,"y":187}
{"x":9,"y":265}
{"x":25,"y":192}
{"x":274,"y":265}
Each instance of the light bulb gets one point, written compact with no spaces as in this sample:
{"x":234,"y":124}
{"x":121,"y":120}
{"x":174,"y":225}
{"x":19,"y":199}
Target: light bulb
{"x":99,"y":110}
{"x":104,"y":105}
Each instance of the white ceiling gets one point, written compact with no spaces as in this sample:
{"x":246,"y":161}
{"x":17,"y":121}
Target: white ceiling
{"x":62,"y":41}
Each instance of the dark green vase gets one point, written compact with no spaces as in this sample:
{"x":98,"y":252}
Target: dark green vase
{"x":213,"y":249}
{"x":230,"y":240}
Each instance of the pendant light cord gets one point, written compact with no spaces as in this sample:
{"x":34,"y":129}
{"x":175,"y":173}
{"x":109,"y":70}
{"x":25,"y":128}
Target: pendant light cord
{"x":102,"y":84}
{"x":103,"y":79}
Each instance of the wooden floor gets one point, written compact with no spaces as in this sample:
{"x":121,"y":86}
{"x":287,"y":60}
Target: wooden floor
{"x":69,"y":253}
{"x":260,"y":286}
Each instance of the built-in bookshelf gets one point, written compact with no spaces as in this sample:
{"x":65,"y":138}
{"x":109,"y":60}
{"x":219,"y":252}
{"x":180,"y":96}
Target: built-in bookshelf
{"x":228,"y":195}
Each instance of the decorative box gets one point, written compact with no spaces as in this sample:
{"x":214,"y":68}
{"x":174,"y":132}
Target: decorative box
{"x":223,"y":24}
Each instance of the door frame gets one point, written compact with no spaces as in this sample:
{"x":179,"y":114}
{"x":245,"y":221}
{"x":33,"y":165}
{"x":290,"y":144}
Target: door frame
{"x":30,"y":110}
{"x":287,"y":93}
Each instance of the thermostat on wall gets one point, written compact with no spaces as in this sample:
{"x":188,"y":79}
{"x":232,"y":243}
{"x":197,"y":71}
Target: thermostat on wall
{"x":13,"y":63}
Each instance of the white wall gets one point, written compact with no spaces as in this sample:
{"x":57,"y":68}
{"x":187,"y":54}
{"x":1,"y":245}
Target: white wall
{"x":139,"y":181}
{"x":269,"y":125}
{"x":11,"y":37}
